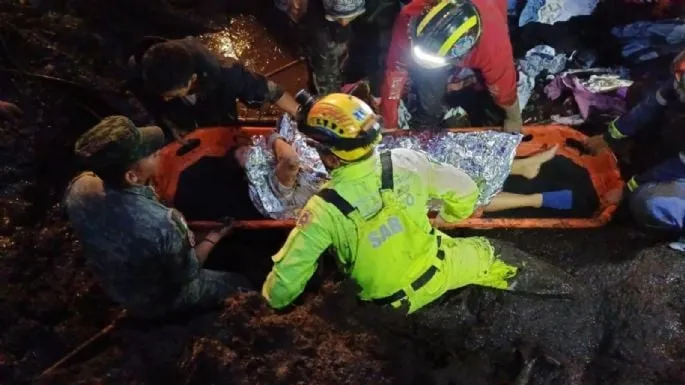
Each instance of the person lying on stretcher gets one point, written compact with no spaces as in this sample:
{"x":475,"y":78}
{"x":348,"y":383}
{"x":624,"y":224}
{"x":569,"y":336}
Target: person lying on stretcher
{"x":284,"y":171}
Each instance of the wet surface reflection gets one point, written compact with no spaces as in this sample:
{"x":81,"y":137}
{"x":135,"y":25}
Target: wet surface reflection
{"x":251,"y":44}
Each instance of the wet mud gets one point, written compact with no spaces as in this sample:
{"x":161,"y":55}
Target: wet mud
{"x":65,"y":70}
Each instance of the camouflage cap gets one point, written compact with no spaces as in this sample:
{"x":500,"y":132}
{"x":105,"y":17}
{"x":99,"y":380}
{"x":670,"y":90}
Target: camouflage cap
{"x":117,"y":141}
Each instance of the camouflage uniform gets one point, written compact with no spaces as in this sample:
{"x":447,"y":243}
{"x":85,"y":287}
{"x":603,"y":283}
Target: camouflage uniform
{"x":141,"y":250}
{"x":328,"y":44}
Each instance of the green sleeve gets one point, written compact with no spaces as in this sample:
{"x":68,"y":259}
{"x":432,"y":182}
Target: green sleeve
{"x":458,"y":192}
{"x":458,"y":206}
{"x":297,"y":260}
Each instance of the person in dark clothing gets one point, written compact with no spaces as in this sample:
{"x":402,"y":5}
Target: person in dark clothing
{"x":143,"y":252}
{"x":344,"y":35}
{"x":657,"y":196}
{"x":186,"y":86}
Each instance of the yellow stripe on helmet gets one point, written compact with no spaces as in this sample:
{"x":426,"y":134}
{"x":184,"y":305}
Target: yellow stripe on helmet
{"x":459,"y":32}
{"x":431,"y":14}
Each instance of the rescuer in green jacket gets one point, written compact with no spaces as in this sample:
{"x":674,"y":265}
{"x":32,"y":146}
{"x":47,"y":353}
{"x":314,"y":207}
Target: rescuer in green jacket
{"x":372,"y":214}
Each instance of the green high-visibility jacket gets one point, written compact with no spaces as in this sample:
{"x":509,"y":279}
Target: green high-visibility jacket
{"x":382,"y":237}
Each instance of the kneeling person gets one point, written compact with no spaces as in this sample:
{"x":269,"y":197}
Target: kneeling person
{"x":142,"y":251}
{"x":657,"y":196}
{"x":186,"y":86}
{"x":373,"y":214}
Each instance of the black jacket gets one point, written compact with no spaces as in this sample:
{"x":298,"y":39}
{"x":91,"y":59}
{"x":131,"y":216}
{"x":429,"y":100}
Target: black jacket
{"x":221,"y":82}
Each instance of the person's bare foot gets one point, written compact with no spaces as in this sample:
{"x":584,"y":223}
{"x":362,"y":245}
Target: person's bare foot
{"x":530,"y":167}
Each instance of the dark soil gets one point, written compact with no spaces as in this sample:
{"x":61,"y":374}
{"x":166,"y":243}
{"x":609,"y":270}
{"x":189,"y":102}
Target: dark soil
{"x":65,"y":70}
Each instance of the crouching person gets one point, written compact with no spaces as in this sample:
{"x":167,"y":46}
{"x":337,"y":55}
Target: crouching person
{"x":657,"y":196}
{"x":373,"y":215}
{"x":142,"y":251}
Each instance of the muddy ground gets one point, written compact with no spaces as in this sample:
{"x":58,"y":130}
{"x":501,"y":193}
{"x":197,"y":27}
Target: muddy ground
{"x":62,"y":61}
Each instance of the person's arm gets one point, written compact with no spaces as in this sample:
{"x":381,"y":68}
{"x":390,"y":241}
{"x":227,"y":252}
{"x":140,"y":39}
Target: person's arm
{"x":669,"y":170}
{"x":203,"y":247}
{"x":458,"y":192}
{"x":287,"y":103}
{"x":396,"y":75}
{"x":495,"y":60}
{"x":256,"y":89}
{"x":288,"y":163}
{"x":252,"y":89}
{"x":297,"y":260}
{"x":180,"y":261}
{"x":640,"y":116}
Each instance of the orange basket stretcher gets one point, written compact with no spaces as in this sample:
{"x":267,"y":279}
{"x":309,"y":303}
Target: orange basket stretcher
{"x":218,"y":141}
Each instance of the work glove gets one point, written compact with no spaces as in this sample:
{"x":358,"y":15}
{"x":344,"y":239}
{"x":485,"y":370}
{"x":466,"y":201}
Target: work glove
{"x":513,"y":120}
{"x":9,"y":111}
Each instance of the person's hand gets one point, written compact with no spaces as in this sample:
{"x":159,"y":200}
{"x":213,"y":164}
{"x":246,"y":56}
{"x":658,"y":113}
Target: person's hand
{"x":9,"y":111}
{"x":512,"y":126}
{"x":513,"y":122}
{"x":614,"y":196}
{"x":224,"y":231}
{"x":437,"y":221}
{"x":595,"y":144}
{"x":296,"y":9}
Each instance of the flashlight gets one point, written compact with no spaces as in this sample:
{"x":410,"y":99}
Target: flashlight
{"x":427,"y":60}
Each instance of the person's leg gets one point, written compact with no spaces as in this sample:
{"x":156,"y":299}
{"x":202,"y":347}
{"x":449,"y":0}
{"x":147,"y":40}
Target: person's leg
{"x":326,"y":48}
{"x":558,"y":199}
{"x":508,"y":201}
{"x":533,"y":276}
{"x":209,"y":289}
{"x":381,"y":34}
{"x":530,"y":167}
{"x":500,"y":265}
{"x":662,"y":206}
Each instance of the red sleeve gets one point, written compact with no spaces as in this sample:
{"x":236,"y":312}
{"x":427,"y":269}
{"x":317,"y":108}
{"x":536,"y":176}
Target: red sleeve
{"x":396,"y":75}
{"x":494,"y":58}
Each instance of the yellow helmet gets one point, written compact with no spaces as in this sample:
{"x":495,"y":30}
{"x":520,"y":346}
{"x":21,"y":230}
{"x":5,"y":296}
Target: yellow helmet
{"x":343,"y":124}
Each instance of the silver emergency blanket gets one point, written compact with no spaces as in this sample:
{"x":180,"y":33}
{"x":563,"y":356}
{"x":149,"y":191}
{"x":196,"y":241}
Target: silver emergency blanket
{"x":485,"y":156}
{"x":603,"y":79}
{"x":538,"y":59}
{"x":552,"y":11}
{"x":260,"y":168}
